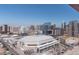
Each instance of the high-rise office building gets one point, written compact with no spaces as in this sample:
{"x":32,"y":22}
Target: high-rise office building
{"x":5,"y":29}
{"x":46,"y":27}
{"x":0,"y":29}
{"x":63,"y":28}
{"x":15,"y":29}
{"x":72,"y":28}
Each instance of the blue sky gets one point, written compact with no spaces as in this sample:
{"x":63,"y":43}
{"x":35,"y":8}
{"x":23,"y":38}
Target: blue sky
{"x":27,"y":14}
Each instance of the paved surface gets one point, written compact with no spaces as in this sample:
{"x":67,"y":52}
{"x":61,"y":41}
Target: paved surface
{"x":74,"y":51}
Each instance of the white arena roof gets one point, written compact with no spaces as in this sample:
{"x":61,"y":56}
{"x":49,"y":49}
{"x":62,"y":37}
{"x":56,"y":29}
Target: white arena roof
{"x":37,"y":39}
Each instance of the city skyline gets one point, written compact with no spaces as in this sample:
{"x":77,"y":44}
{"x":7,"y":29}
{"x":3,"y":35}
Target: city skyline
{"x":36,"y":14}
{"x":44,"y":29}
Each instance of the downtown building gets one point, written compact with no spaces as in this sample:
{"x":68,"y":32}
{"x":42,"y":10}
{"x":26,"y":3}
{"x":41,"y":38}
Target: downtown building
{"x":35,"y":30}
{"x":19,"y":30}
{"x":45,"y":27}
{"x":71,"y":29}
{"x":5,"y":29}
{"x":54,"y":31}
{"x":49,"y":29}
{"x":15,"y":29}
{"x":63,"y":28}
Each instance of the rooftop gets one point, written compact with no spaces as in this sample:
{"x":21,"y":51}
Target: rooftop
{"x":37,"y":38}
